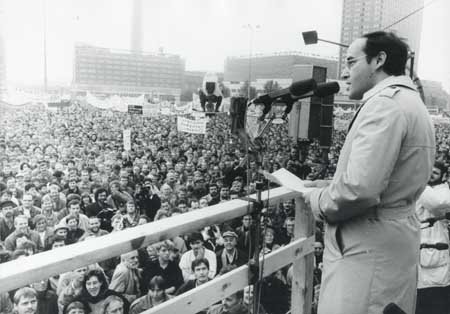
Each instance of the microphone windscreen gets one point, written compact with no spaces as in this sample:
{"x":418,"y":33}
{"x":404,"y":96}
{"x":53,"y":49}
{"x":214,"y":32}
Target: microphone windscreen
{"x":300,"y":88}
{"x":326,"y":89}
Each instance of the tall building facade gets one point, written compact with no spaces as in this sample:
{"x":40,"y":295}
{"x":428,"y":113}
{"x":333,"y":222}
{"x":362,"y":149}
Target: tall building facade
{"x":364,"y":16}
{"x":109,"y":71}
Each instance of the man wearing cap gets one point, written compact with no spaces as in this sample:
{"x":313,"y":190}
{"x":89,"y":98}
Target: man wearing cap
{"x":7,"y":219}
{"x":197,"y":251}
{"x":230,"y":255}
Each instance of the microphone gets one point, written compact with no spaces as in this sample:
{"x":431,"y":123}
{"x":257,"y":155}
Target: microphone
{"x":438,"y":246}
{"x":393,"y":308}
{"x":286,"y":95}
{"x":322,"y":90}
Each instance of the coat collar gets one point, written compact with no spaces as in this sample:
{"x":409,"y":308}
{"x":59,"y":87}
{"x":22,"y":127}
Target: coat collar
{"x":401,"y":80}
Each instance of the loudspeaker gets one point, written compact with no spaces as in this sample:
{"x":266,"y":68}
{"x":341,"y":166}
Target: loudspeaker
{"x":238,"y":107}
{"x":326,"y":122}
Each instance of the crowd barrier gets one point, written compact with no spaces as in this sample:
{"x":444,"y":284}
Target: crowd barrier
{"x":300,"y":252}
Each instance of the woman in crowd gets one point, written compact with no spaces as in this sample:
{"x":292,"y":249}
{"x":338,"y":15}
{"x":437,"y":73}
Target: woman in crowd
{"x":95,"y":291}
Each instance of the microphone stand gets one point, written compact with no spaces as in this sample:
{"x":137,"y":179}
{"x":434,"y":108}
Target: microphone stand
{"x":255,"y":269}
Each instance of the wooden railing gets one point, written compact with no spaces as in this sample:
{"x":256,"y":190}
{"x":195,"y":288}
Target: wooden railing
{"x":16,"y":274}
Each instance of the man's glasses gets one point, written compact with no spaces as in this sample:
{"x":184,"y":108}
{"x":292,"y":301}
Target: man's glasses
{"x":349,"y":63}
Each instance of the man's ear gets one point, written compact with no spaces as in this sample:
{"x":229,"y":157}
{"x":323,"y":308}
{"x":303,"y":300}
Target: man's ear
{"x":380,"y":59}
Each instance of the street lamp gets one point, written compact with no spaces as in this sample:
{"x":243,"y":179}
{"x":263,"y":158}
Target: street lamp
{"x":311,"y":37}
{"x":251,"y":29}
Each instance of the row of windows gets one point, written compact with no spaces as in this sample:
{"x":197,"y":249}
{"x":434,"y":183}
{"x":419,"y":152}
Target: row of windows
{"x":128,"y":71}
{"x":127,"y":60}
{"x":123,"y":83}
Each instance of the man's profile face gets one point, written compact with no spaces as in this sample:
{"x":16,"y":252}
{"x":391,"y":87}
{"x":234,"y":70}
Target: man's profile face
{"x":435,"y":176}
{"x":359,"y":72}
{"x":26,"y":305}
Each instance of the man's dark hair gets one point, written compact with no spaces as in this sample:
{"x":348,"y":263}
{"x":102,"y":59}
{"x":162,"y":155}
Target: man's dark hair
{"x":99,"y":191}
{"x":441,"y":166}
{"x":395,"y":48}
{"x":29,"y":186}
{"x":73,"y":202}
{"x":198,"y":261}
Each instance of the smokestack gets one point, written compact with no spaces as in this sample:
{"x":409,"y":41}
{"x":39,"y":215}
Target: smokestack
{"x":136,"y":26}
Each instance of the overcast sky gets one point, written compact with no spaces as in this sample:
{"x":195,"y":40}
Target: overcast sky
{"x":204,"y":32}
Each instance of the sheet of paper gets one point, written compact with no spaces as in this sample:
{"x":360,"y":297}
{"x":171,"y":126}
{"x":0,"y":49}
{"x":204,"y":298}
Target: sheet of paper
{"x":287,"y":179}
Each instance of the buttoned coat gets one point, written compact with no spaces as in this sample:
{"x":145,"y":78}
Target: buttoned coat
{"x":371,"y":231}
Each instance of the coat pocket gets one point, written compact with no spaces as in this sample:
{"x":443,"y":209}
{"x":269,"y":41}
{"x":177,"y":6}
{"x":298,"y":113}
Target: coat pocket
{"x":432,"y":258}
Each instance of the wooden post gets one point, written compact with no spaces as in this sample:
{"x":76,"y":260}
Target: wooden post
{"x":303,"y":268}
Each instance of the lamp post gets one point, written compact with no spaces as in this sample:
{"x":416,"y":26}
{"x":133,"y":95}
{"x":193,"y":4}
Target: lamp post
{"x":251,"y":29}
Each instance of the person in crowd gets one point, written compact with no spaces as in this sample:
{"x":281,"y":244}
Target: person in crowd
{"x":74,"y":232}
{"x":197,"y":251}
{"x":95,"y":291}
{"x":164,"y":267}
{"x":27,"y":208}
{"x":127,"y":276}
{"x":76,"y":307}
{"x":230,"y":255}
{"x":7,"y":219}
{"x":45,"y":232}
{"x":156,"y":295}
{"x":21,"y":233}
{"x":232,"y":304}
{"x":131,"y":217}
{"x":6,"y":306}
{"x":48,"y":210}
{"x":85,"y":202}
{"x":147,"y":200}
{"x":74,"y":208}
{"x":94,"y":229}
{"x":200,"y":269}
{"x":434,"y":274}
{"x":377,"y":176}
{"x":114,"y":305}
{"x":46,"y":297}
{"x":25,"y":301}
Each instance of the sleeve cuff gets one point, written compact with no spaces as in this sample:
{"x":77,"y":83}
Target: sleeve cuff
{"x":314,"y":200}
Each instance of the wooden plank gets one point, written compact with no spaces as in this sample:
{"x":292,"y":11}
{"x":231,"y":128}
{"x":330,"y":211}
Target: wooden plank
{"x":303,"y":268}
{"x":203,"y":296}
{"x":44,"y":265}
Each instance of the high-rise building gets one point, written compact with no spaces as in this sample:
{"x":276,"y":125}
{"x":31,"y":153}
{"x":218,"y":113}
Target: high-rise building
{"x":363,"y":16}
{"x":2,"y":53}
{"x":124,"y":72}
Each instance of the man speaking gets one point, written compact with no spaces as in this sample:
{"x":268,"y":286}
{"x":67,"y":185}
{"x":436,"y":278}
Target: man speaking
{"x":371,"y":230}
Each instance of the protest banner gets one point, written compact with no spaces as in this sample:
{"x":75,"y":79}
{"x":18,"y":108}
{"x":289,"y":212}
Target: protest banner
{"x":191,"y":126}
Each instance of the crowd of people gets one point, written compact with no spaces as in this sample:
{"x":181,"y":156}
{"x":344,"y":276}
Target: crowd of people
{"x":65,"y":177}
